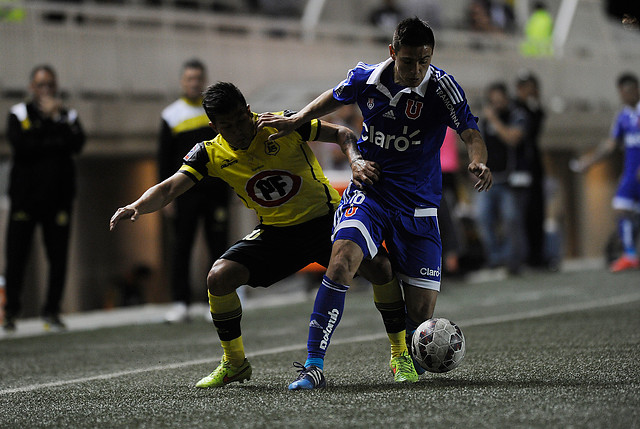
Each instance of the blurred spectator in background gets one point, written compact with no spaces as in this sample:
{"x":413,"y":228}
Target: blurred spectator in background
{"x":11,"y":12}
{"x":501,"y":212}
{"x":485,"y":16}
{"x":44,"y":136}
{"x":184,"y":124}
{"x":282,"y":8}
{"x":127,"y":289}
{"x":429,"y":10}
{"x":626,"y":133}
{"x":385,"y":17}
{"x":528,"y":99}
{"x":538,"y":32}
{"x":329,"y":155}
{"x":449,"y":228}
{"x":278,"y":9}
{"x":628,"y":12}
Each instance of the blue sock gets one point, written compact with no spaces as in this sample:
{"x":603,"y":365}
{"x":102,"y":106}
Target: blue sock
{"x":327,"y":312}
{"x":411,"y":327}
{"x":626,"y":231}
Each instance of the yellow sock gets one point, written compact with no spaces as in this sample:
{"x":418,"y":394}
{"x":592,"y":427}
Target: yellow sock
{"x":398,"y":343}
{"x":222,"y":304}
{"x":388,"y":300}
{"x":226,"y":312}
{"x":387,"y":293}
{"x":233,"y":351}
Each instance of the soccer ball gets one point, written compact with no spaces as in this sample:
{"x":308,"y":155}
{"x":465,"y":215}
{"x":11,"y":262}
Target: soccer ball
{"x":438,"y":345}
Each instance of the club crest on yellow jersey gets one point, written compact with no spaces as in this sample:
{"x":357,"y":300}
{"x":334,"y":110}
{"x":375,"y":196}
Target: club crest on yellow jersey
{"x":272,"y":188}
{"x":271,"y":147}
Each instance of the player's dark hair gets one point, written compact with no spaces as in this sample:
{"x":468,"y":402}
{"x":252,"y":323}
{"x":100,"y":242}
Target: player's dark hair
{"x":413,"y":32}
{"x":46,"y":67}
{"x":627,"y":78}
{"x":194,"y":63}
{"x":222,"y":98}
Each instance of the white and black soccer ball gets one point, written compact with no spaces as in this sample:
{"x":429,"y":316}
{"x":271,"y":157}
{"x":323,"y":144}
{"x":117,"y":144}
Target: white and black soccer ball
{"x":438,"y":345}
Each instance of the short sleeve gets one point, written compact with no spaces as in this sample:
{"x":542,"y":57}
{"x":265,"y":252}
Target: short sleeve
{"x":308,"y":131}
{"x":346,"y":91}
{"x":194,"y":164}
{"x":462,"y":117}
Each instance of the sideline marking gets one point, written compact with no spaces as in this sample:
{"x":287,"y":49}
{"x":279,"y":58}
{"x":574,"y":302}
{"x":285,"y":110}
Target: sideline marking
{"x":589,"y":305}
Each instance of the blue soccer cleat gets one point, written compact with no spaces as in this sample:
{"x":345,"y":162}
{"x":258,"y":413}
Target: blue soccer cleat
{"x":308,"y":378}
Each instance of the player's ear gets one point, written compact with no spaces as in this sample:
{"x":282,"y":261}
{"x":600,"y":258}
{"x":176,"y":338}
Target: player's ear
{"x":213,"y":127}
{"x":249,"y":110}
{"x":392,"y":54}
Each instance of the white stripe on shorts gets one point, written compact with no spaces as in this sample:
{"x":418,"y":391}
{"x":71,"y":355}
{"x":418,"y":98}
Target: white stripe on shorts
{"x":421,"y":283}
{"x":354,"y":223}
{"x":621,"y":203}
{"x":425,"y":212}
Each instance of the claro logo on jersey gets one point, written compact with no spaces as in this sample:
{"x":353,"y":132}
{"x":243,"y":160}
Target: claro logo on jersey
{"x":386,"y":141}
{"x":430,"y":272}
{"x":273,"y":187}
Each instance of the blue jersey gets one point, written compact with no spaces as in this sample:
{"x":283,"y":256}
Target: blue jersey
{"x":403,"y":130}
{"x":626,"y":130}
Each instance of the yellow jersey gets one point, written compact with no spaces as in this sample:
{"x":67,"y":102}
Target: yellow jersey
{"x":281,"y":180}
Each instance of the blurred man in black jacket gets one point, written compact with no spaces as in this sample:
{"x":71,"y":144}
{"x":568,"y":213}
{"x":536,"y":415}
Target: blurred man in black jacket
{"x":44,"y":136}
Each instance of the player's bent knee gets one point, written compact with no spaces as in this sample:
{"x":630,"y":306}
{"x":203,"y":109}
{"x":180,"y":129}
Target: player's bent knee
{"x":226,"y":276}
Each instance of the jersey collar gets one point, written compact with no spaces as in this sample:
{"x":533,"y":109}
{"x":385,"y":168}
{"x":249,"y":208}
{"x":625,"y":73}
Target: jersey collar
{"x":198,"y":103}
{"x":375,"y":79}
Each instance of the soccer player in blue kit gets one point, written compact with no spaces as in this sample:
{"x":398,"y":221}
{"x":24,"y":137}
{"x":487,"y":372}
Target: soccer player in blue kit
{"x":407,"y":104}
{"x":625,"y":132}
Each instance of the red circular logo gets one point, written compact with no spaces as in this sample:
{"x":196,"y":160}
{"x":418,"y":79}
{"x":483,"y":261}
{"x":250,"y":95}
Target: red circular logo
{"x":273,"y":187}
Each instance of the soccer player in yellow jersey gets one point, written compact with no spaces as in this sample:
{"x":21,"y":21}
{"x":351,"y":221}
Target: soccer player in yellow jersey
{"x":282,"y":181}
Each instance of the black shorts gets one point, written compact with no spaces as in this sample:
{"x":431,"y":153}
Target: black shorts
{"x":272,"y":253}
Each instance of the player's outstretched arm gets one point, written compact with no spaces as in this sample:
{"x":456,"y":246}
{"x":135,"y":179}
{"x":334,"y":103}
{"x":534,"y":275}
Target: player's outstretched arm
{"x":153,"y":199}
{"x":584,"y":162}
{"x":477,"y":151}
{"x":322,"y":105}
{"x":363,"y":172}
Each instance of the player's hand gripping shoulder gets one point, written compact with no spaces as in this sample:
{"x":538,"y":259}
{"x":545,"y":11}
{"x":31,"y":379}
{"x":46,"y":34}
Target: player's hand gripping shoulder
{"x":483,"y":173}
{"x":284,"y":125}
{"x":126,"y":212}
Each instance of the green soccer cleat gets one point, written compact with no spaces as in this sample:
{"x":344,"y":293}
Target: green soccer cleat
{"x":226,"y":373}
{"x":403,"y":369}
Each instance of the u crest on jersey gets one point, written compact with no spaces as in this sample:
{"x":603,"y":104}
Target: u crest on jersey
{"x":413,"y":109}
